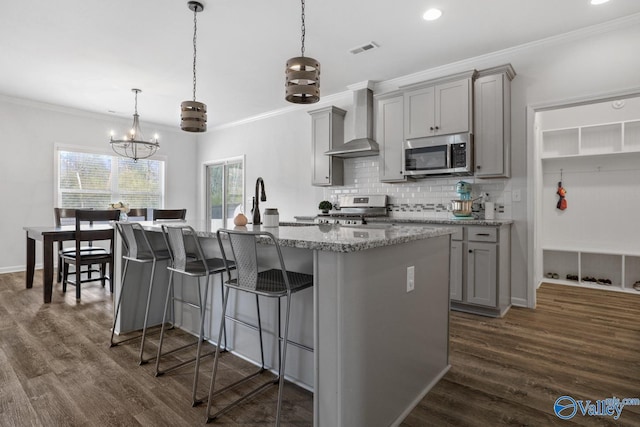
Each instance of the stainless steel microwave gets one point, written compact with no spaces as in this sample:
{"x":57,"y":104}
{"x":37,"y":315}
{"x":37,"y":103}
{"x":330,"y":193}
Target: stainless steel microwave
{"x":439,"y":155}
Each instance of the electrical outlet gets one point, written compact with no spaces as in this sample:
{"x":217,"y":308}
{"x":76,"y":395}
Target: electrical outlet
{"x":516,"y":196}
{"x":410,"y":278}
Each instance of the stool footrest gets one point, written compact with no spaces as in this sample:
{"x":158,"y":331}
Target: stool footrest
{"x":249,"y":395}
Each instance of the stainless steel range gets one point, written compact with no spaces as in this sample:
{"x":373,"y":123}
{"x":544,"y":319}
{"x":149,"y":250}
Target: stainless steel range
{"x":354,"y":209}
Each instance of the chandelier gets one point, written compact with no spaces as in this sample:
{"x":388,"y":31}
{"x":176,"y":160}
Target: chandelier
{"x":303,"y":75}
{"x":134,"y":145}
{"x":193,"y":116}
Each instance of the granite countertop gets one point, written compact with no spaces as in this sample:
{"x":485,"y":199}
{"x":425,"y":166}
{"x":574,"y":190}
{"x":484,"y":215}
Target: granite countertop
{"x":334,"y":238}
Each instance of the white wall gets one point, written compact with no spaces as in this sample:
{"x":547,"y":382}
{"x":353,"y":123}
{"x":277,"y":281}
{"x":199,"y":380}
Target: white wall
{"x":28,"y":134}
{"x":595,"y":61}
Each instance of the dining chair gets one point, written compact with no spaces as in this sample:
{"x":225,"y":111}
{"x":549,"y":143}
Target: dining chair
{"x":67,"y":216}
{"x":169,"y":214}
{"x":135,"y":213}
{"x":272,"y":283}
{"x":188,"y":259}
{"x":90,"y":226}
{"x":138,"y":249}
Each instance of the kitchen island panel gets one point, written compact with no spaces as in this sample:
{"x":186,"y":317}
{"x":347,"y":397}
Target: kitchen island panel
{"x":382,"y":348}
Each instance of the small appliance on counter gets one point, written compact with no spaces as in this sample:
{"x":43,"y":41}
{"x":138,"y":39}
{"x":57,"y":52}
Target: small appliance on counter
{"x":462,"y":207}
{"x":271,"y":217}
{"x":355,"y":208}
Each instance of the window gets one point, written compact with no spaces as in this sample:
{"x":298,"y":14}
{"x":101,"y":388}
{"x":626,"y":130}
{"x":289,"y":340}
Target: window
{"x":225,"y":195}
{"x":94,"y":180}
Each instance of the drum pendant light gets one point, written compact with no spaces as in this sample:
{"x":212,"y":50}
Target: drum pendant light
{"x":303,"y":76}
{"x":193,"y":116}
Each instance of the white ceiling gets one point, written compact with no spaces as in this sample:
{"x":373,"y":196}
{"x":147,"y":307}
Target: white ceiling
{"x":88,"y":54}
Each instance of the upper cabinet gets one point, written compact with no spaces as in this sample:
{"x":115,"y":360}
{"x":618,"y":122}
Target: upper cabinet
{"x":327,"y":132}
{"x":439,"y":107}
{"x":492,"y":123}
{"x":389,"y":133}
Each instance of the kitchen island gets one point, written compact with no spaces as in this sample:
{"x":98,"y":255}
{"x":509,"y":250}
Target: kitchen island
{"x":379,"y":347}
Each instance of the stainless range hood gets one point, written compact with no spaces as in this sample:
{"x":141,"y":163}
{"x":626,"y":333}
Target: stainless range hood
{"x":363,"y":144}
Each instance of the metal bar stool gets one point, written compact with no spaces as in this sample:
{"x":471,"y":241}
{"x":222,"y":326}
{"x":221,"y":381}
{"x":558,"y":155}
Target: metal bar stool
{"x":138,"y":249}
{"x":181,"y":239}
{"x":273,"y":283}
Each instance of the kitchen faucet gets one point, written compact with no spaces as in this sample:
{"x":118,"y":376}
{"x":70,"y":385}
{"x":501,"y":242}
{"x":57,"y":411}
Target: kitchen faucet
{"x":256,"y":203}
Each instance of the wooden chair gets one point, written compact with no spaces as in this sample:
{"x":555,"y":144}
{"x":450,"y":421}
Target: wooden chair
{"x":138,"y":213}
{"x":88,"y":228}
{"x":169,"y":214}
{"x":67,"y":216}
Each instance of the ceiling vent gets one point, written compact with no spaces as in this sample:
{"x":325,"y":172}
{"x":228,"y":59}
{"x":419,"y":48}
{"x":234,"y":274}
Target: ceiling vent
{"x":364,"y":48}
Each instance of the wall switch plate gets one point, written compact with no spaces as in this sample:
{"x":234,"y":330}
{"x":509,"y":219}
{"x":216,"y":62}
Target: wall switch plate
{"x":410,"y":278}
{"x":516,"y":196}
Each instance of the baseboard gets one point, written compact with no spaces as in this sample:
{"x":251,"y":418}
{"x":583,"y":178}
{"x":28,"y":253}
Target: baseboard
{"x":417,"y":400}
{"x":519,"y":302}
{"x":17,"y":268}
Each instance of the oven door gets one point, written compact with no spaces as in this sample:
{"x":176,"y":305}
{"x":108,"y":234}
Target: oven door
{"x":423,"y":157}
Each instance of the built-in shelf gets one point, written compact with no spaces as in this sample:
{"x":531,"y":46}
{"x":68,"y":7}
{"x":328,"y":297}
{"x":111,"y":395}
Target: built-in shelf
{"x":619,"y":137}
{"x":579,"y":267}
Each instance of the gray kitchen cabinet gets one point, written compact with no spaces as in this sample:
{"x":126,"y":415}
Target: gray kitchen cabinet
{"x":492,"y":122}
{"x":481,"y":273}
{"x":389,"y":113}
{"x":327,"y":132}
{"x":480,"y":270}
{"x":439,"y":107}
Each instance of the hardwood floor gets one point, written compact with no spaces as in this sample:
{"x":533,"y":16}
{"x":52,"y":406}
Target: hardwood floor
{"x":56,"y":367}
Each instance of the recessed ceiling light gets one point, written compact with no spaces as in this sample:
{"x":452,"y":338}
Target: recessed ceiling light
{"x":598,"y":1}
{"x":432,"y":14}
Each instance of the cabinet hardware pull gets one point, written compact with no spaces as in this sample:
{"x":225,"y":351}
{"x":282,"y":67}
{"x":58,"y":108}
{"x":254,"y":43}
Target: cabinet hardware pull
{"x":431,"y":128}
{"x":482,"y":234}
{"x":478,"y":167}
{"x":437,"y":128}
{"x":470,"y":251}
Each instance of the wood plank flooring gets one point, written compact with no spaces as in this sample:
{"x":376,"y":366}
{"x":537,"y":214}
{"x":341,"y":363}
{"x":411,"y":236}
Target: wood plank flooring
{"x":56,"y":367}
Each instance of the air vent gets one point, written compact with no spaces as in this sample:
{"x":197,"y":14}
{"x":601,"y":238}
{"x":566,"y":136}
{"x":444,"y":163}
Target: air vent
{"x":364,"y":48}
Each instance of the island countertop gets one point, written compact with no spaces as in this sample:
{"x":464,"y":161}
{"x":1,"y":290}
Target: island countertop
{"x":326,"y":237}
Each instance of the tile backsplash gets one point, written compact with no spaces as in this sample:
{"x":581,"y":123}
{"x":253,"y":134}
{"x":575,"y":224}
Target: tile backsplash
{"x":419,"y":199}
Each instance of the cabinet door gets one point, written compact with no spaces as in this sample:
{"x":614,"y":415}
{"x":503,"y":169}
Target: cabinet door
{"x":327,"y":130}
{"x":490,"y":143}
{"x":321,"y":140}
{"x":452,"y":103}
{"x":390,"y":137}
{"x":455,"y":271}
{"x":482,"y":265}
{"x":419,"y":119}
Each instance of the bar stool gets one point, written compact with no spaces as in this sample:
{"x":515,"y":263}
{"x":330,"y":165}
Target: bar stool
{"x":273,"y":283}
{"x":138,"y":249}
{"x":191,"y":265}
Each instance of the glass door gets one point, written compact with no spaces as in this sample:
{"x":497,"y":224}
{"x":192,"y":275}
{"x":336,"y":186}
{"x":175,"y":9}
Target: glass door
{"x":225,"y":183}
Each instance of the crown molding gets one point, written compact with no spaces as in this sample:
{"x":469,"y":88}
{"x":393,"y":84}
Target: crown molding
{"x":503,"y":56}
{"x":324,"y":102}
{"x":30,"y":103}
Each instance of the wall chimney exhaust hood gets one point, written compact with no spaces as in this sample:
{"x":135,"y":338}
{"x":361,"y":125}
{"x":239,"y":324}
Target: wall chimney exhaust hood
{"x":363,"y":144}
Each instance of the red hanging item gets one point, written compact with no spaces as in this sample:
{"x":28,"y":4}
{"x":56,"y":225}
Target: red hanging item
{"x":562,"y":202}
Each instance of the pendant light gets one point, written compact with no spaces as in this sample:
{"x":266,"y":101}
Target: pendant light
{"x":303,"y":75}
{"x":193,"y":116}
{"x":134,"y":145}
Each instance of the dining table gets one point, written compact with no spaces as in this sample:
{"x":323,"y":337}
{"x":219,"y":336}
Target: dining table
{"x":48,"y":235}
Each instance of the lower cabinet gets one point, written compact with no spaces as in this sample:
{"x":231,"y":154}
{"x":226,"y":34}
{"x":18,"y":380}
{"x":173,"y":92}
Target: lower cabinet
{"x":480,"y":270}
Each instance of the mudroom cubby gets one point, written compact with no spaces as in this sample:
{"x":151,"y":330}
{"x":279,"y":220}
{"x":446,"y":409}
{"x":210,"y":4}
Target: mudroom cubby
{"x":593,"y":153}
